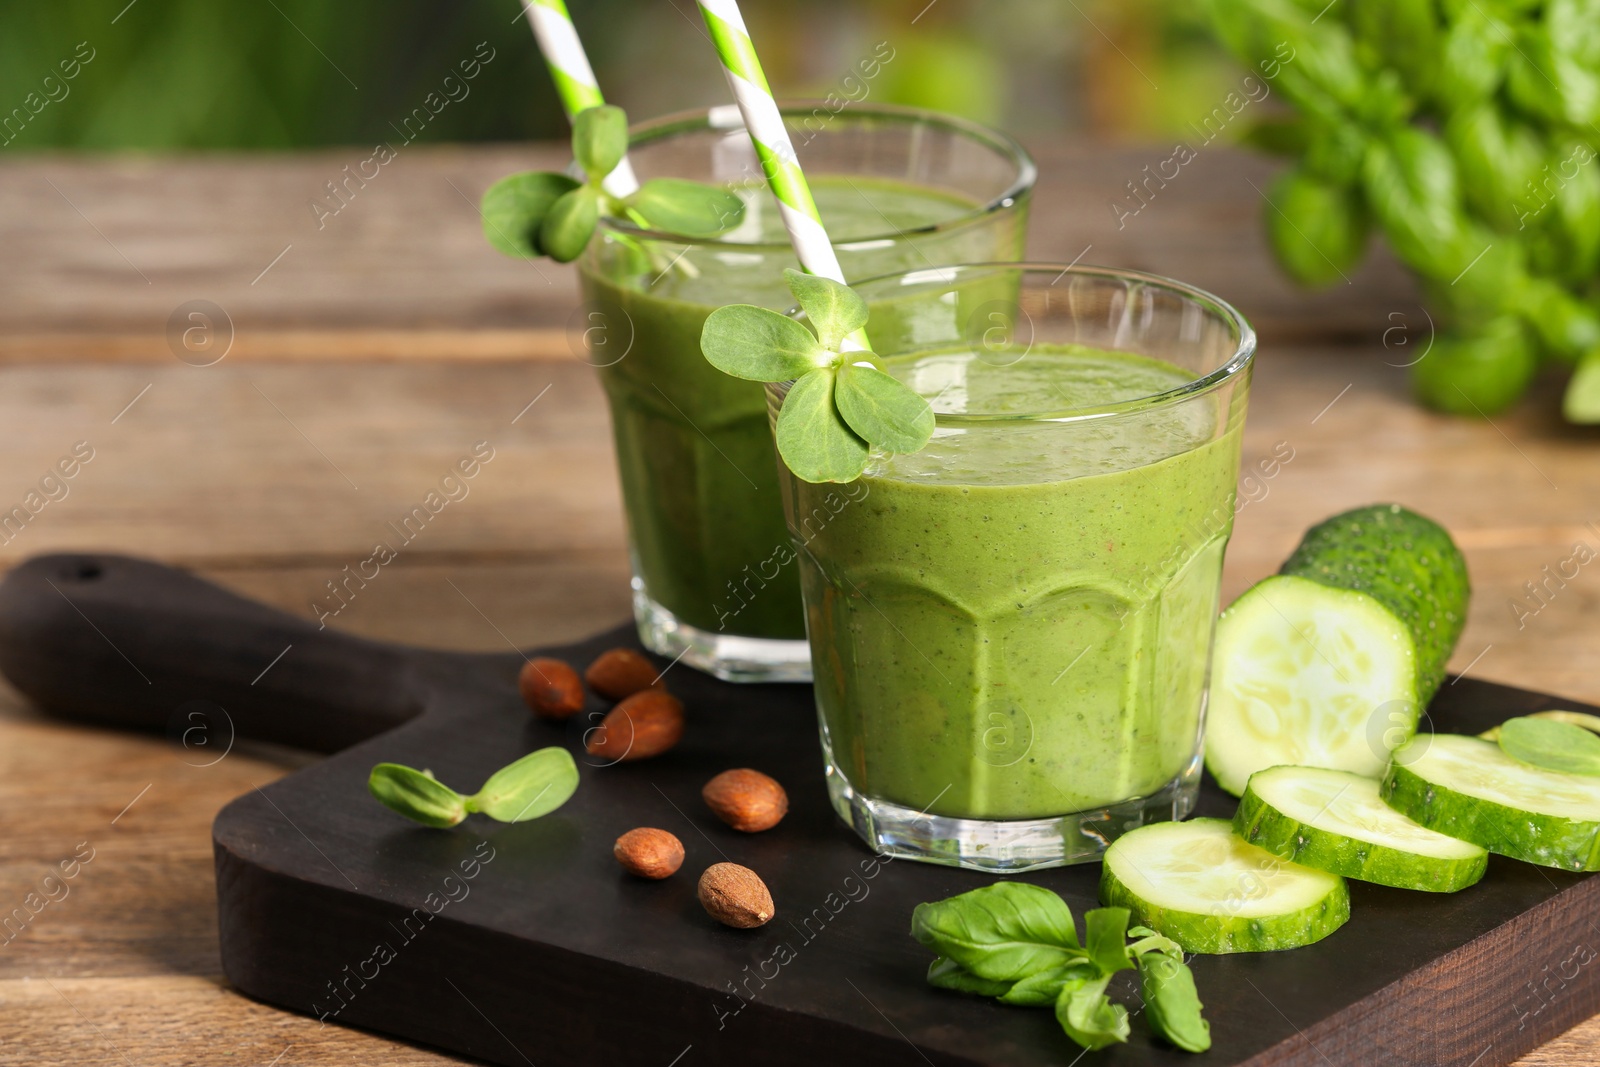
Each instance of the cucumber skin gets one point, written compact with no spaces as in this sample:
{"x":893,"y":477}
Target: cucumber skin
{"x":1525,"y":835}
{"x":1407,"y":563}
{"x":1546,"y":840}
{"x":1262,"y":825}
{"x":1216,"y":935}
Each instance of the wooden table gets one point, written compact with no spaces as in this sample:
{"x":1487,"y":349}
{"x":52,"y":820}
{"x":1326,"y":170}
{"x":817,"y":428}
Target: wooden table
{"x":369,"y":354}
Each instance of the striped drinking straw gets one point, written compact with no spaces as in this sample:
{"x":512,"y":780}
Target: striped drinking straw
{"x":772,"y":145}
{"x":574,"y":78}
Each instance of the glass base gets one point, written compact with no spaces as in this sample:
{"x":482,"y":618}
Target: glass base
{"x":1006,"y":845}
{"x":727,"y":656}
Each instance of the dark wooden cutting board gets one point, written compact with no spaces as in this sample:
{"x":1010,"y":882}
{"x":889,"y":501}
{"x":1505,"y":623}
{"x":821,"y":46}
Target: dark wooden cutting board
{"x":533,"y":947}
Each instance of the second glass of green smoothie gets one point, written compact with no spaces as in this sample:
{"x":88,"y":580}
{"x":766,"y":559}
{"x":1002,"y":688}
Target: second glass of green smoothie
{"x":1011,"y":628}
{"x":714,"y":571}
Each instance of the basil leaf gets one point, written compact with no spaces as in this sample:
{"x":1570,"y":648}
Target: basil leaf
{"x":417,"y":795}
{"x":758,"y":344}
{"x":566,"y":230}
{"x":514,"y":207}
{"x":599,"y":140}
{"x":1581,"y":402}
{"x":1498,"y":156}
{"x":1171,"y":1002}
{"x":682,"y":206}
{"x":1473,"y":59}
{"x":1318,"y":230}
{"x":1105,"y":935}
{"x":534,"y":785}
{"x":1404,"y":33}
{"x":1559,"y":746}
{"x":1088,"y":1016}
{"x":1481,"y":374}
{"x":1565,"y":322}
{"x":1005,"y":931}
{"x":1545,"y":79}
{"x":1575,"y":222}
{"x":1410,"y":183}
{"x":817,"y":446}
{"x":882,"y":409}
{"x":948,"y":974}
{"x":836,"y":311}
{"x":1044,"y":988}
{"x":1150,"y":941}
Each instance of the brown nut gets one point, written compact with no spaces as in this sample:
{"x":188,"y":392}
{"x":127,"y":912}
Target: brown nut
{"x":648,"y":852}
{"x":746,"y":800}
{"x":551,"y":688}
{"x":619,"y":673}
{"x":645,"y":725}
{"x":735,"y":896}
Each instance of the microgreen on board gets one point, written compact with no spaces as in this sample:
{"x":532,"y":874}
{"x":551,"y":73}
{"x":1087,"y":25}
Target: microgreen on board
{"x":841,"y":405}
{"x":1018,"y":943}
{"x":539,"y":213}
{"x":534,"y":785}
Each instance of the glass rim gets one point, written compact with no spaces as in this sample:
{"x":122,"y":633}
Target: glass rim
{"x":1235,"y":365}
{"x":725,"y":117}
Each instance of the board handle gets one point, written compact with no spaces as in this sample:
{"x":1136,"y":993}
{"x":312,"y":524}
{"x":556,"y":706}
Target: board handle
{"x":118,"y":641}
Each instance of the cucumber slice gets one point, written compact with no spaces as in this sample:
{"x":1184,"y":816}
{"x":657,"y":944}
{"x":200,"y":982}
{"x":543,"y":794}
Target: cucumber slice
{"x":1328,"y":663}
{"x":1299,"y":675}
{"x":1335,"y":821}
{"x":1210,"y":891}
{"x":1468,"y":788}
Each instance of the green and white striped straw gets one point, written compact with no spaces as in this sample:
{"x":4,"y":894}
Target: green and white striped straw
{"x":772,"y":144}
{"x":574,"y":78}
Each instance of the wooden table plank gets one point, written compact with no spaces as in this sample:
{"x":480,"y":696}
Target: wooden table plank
{"x":345,"y":372}
{"x":103,"y":249}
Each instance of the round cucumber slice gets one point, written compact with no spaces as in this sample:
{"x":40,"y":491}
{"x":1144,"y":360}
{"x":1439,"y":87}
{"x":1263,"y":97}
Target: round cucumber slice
{"x":1210,"y":891}
{"x":1335,"y":821}
{"x":1469,"y":788}
{"x":1308,"y":675}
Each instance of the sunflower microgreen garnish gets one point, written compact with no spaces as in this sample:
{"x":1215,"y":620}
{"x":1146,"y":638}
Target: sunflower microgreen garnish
{"x":534,"y":785}
{"x":540,"y":213}
{"x":841,"y":405}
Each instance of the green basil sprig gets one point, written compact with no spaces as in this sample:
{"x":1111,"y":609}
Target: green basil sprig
{"x":841,"y":405}
{"x":1018,"y":943}
{"x":1166,"y":985}
{"x":541,"y":213}
{"x":534,"y":785}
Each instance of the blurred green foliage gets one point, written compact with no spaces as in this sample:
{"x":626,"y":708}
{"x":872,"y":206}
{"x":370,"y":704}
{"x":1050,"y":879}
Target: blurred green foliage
{"x":1465,"y":135}
{"x":170,"y":74}
{"x":200,"y":74}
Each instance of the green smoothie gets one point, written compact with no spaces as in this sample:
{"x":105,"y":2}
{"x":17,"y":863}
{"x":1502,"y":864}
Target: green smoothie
{"x":1015,"y":622}
{"x":699,"y":475}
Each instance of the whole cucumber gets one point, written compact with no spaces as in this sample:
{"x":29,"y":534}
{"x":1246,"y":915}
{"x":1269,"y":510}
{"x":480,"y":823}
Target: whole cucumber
{"x":1407,"y":563}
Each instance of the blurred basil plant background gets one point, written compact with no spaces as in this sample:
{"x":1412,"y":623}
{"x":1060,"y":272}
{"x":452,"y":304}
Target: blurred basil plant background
{"x":1464,"y":132}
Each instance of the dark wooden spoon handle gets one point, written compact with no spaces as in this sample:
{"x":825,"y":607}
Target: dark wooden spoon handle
{"x":126,"y":642}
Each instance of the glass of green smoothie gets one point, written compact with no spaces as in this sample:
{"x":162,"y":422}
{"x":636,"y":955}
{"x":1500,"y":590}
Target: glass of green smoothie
{"x":1011,"y":629}
{"x":714,"y":573}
